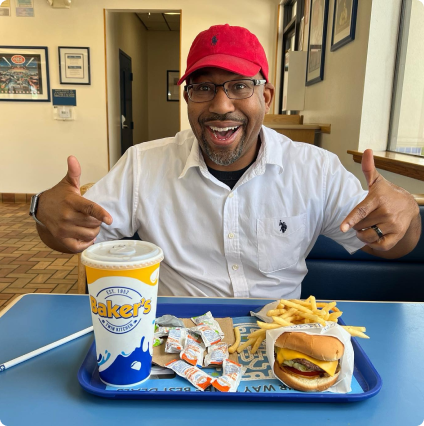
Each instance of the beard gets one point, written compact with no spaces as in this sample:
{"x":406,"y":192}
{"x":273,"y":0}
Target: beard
{"x":222,"y":157}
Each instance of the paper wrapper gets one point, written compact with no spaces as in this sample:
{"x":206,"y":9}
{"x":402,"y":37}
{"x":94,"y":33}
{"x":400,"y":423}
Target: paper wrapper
{"x":343,"y":384}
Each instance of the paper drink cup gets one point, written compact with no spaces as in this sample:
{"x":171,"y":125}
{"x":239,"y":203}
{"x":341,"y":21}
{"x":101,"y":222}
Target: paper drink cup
{"x":122,"y":279}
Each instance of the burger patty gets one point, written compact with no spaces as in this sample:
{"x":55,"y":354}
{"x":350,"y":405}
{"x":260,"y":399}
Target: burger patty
{"x":308,"y":364}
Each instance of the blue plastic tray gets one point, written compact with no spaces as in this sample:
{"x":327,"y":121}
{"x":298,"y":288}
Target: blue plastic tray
{"x":365,"y":374}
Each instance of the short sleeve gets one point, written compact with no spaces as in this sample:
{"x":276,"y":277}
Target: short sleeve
{"x":343,"y":192}
{"x":116,"y":193}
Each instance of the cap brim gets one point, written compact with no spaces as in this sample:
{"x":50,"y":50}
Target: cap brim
{"x":225,"y":62}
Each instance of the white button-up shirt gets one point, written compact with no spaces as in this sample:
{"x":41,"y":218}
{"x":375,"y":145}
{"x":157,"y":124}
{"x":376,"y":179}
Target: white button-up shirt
{"x":249,"y":241}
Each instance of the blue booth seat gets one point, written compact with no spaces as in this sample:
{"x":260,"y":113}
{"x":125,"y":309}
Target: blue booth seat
{"x":335,"y":274}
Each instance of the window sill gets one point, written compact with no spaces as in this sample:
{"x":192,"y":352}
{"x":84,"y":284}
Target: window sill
{"x":406,"y":165}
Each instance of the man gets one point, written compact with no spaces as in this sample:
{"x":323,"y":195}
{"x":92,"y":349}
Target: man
{"x":235,"y":206}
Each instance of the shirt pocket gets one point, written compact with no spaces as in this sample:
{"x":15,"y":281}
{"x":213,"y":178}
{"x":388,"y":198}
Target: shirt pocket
{"x":279,"y":241}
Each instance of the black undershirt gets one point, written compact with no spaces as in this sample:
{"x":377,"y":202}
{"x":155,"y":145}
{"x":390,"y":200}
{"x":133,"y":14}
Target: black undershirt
{"x":229,"y":178}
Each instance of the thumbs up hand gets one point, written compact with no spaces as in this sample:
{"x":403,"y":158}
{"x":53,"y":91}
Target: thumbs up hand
{"x":383,"y":218}
{"x":72,"y":220}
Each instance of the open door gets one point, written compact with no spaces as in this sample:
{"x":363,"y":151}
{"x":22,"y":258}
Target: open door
{"x":125,"y":82}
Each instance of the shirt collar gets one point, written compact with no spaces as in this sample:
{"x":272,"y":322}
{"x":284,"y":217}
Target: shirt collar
{"x":270,"y":152}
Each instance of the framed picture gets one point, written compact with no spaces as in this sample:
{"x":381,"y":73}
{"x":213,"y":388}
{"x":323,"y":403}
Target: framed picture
{"x":172,"y":89}
{"x":24,"y":74}
{"x":317,"y":38}
{"x":344,"y":23}
{"x":74,"y":65}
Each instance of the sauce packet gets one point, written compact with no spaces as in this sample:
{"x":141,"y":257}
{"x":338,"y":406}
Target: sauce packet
{"x":216,"y":354}
{"x":230,"y":380}
{"x":208,"y":319}
{"x":161,"y":331}
{"x":176,"y":340}
{"x":194,"y":375}
{"x":157,"y":341}
{"x":209,"y":335}
{"x":193,"y":352}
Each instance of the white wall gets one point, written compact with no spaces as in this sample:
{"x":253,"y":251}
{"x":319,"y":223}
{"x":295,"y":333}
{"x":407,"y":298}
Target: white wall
{"x":125,"y":31}
{"x":33,"y":151}
{"x":163,"y":55}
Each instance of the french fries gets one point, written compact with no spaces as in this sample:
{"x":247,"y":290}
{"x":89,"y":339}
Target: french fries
{"x":236,"y":344}
{"x":291,"y":312}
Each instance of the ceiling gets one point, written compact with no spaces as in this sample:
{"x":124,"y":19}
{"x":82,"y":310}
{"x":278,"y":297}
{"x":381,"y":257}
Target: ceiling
{"x":160,"y":21}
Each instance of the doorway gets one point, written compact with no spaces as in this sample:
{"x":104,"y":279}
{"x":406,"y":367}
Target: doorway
{"x":141,"y":48}
{"x":125,"y":84}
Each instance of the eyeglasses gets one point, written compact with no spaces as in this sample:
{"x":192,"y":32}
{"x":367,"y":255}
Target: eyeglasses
{"x":234,"y":89}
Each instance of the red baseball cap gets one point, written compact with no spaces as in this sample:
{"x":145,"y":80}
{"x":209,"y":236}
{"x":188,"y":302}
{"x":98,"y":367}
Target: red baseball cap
{"x":230,"y":48}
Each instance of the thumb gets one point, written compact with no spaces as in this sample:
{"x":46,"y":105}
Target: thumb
{"x":74,"y":172}
{"x":368,"y":167}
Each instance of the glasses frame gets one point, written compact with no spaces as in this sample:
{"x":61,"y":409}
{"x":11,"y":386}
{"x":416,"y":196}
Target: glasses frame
{"x":255,"y":83}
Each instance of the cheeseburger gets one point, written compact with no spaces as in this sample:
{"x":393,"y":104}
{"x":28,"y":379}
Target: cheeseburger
{"x":308,"y":362}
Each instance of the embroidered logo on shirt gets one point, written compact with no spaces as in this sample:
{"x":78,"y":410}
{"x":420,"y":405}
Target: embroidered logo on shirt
{"x":214,"y":40}
{"x":283,"y":226}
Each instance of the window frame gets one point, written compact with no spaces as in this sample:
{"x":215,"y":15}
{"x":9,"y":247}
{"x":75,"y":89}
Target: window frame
{"x":398,"y":77}
{"x":290,"y":25}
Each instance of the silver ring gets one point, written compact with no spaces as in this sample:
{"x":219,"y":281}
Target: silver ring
{"x":378,"y":230}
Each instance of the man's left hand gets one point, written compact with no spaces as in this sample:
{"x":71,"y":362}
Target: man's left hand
{"x":387,"y":206}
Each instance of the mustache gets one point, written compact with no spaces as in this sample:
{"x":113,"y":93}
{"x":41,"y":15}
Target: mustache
{"x":222,"y":117}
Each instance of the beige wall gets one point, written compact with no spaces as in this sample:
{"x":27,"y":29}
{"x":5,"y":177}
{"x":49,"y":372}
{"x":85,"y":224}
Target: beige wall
{"x":163,"y":55}
{"x":125,"y":31}
{"x":33,"y":152}
{"x":355,"y":94}
{"x":338,"y":98}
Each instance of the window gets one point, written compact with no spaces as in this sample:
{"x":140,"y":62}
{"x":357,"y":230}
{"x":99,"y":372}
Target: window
{"x":406,"y":133}
{"x":292,"y":15}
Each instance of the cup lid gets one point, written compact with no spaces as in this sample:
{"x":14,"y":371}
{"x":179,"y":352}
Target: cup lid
{"x":125,"y":254}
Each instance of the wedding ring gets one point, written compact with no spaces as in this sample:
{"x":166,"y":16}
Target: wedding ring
{"x":378,"y":230}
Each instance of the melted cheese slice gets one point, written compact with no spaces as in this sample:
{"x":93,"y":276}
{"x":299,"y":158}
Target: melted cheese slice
{"x":288,"y":354}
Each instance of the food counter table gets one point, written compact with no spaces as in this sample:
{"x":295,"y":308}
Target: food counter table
{"x":45,"y":390}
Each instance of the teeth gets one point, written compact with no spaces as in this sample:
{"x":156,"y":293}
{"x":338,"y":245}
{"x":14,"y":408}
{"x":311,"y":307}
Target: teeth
{"x":223,"y":129}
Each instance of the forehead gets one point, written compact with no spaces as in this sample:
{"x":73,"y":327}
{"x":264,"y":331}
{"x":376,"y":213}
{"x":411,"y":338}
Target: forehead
{"x":212,"y":74}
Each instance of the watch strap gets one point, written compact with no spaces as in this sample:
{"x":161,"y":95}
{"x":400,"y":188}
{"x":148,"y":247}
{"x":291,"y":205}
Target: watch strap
{"x":33,"y":208}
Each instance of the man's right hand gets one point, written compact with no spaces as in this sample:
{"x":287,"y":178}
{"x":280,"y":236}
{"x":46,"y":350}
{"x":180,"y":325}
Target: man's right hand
{"x":72,"y":220}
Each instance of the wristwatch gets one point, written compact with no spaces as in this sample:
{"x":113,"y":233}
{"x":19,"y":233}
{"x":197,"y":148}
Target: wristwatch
{"x":33,"y":207}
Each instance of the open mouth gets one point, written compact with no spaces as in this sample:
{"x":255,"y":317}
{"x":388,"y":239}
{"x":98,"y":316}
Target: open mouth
{"x":223,"y":134}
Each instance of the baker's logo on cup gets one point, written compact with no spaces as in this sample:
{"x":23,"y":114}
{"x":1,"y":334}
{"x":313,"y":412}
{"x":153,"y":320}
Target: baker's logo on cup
{"x":119,"y":309}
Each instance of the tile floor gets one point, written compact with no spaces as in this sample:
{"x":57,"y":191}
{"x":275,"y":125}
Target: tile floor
{"x":26,"y":264}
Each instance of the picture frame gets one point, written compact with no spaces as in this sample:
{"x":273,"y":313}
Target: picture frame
{"x":344,"y":23}
{"x":316,"y":41}
{"x":24,"y":74}
{"x":172,"y":89}
{"x":74,"y":65}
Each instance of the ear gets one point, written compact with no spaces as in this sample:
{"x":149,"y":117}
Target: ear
{"x":268,"y":96}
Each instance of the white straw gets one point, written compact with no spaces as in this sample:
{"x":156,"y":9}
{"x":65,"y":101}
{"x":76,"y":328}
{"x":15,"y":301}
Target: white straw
{"x":46,"y":348}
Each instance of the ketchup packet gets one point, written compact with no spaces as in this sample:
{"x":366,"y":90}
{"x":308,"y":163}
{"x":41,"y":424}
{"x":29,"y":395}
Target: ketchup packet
{"x":194,"y":375}
{"x":216,"y":354}
{"x":230,"y":380}
{"x":193,"y":352}
{"x":176,"y":340}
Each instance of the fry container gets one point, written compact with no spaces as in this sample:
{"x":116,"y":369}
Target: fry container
{"x":122,"y":279}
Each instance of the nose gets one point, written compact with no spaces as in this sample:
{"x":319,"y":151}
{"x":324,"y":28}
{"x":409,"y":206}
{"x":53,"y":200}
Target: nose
{"x":221,"y":104}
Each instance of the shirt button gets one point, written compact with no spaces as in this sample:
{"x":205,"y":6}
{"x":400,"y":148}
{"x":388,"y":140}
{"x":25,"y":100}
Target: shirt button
{"x":231,"y":195}
{"x":230,"y":235}
{"x":235,"y":267}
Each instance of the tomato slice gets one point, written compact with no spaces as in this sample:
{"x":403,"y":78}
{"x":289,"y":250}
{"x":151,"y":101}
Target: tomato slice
{"x":302,"y":373}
